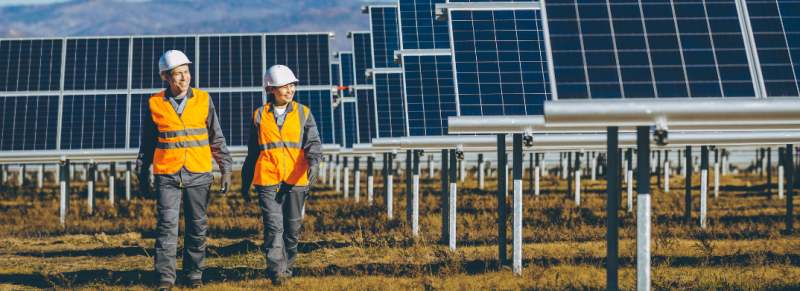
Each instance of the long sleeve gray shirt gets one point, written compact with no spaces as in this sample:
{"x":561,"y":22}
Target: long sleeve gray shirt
{"x":184,"y":178}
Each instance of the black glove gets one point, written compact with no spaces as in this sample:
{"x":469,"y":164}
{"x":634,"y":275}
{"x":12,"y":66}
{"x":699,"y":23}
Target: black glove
{"x":246,"y":194}
{"x":226,"y":183}
{"x":144,"y":186}
{"x":313,"y":172}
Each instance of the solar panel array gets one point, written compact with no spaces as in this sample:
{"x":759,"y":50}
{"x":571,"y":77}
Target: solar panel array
{"x":776,"y":31}
{"x":389,"y":105}
{"x":418,"y":27}
{"x":362,"y":57}
{"x":91,"y":93}
{"x":430,"y":93}
{"x":385,"y":35}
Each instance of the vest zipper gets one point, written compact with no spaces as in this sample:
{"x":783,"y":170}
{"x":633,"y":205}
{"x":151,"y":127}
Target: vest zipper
{"x":283,"y":148}
{"x":185,"y":151}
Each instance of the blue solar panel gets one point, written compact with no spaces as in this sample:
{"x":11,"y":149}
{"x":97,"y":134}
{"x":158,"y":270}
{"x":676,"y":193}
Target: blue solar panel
{"x":338,"y":125}
{"x":500,"y":62}
{"x":346,"y":72}
{"x":479,"y":1}
{"x":97,"y":64}
{"x":28,"y":123}
{"x":235,"y":112}
{"x":335,"y":75}
{"x":308,"y":55}
{"x":362,"y":57}
{"x":139,"y":104}
{"x":776,"y":30}
{"x":146,"y":53}
{"x":93,"y":121}
{"x":389,"y":103}
{"x":385,"y":35}
{"x":628,"y":49}
{"x":30,"y":65}
{"x":350,"y":123}
{"x":319,"y":103}
{"x":230,"y":61}
{"x":419,"y":29}
{"x":430,"y":94}
{"x":366,"y":115}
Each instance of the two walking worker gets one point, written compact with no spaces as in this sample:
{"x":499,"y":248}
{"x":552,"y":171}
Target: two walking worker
{"x":180,"y":137}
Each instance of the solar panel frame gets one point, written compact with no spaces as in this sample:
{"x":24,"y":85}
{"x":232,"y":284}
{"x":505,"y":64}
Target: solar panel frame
{"x":384,"y":58}
{"x":366,"y":115}
{"x":73,"y":69}
{"x":754,"y":33}
{"x":362,"y":56}
{"x":437,"y":56}
{"x":38,"y":130}
{"x":248,"y":77}
{"x":55,"y":64}
{"x":428,"y":16}
{"x":308,"y":73}
{"x":390,"y":83}
{"x":103,"y":126}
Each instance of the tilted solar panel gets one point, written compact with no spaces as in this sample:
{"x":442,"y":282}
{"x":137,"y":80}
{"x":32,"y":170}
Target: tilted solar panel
{"x":97,"y":64}
{"x":230,"y":61}
{"x":28,"y":123}
{"x":367,"y":120}
{"x":430,"y":93}
{"x":139,"y":104}
{"x":390,"y":108}
{"x":418,"y":29}
{"x":338,"y":125}
{"x":319,"y":103}
{"x":350,"y":123}
{"x":30,"y":65}
{"x":335,"y":75}
{"x":146,"y":53}
{"x":93,"y":121}
{"x":648,"y":49}
{"x":385,"y":35}
{"x":308,"y":55}
{"x":481,"y":1}
{"x":235,"y":112}
{"x":776,"y":31}
{"x":346,"y":72}
{"x":362,"y":57}
{"x":500,"y":63}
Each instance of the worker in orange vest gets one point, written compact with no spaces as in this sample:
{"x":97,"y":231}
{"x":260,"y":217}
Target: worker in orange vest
{"x":283,"y":158}
{"x":180,"y":137}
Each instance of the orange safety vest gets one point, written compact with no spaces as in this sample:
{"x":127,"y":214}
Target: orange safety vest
{"x":282,"y":158}
{"x":182,"y":141}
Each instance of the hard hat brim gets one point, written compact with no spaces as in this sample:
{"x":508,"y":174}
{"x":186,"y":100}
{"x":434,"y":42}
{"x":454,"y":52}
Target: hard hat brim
{"x":167,"y":69}
{"x":295,"y":80}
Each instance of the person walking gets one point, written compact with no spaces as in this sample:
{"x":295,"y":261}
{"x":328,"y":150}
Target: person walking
{"x":284,"y":152}
{"x":180,"y":137}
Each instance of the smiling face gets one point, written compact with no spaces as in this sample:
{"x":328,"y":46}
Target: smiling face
{"x":179,"y":79}
{"x":283,"y":95}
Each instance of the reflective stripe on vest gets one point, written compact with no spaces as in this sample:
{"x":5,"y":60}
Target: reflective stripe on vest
{"x":182,"y":140}
{"x":282,"y":157}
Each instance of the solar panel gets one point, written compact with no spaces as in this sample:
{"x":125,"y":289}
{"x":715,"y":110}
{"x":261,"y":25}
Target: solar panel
{"x":235,"y":112}
{"x":418,"y":29}
{"x":335,"y":75}
{"x":385,"y":35}
{"x":350,"y":123}
{"x":500,"y":63}
{"x":319,"y":103}
{"x":430,"y":93}
{"x":389,"y":105}
{"x":28,"y":123}
{"x":139,"y":103}
{"x":483,"y":1}
{"x":346,"y":72}
{"x":367,"y":120}
{"x":30,"y":65}
{"x":93,"y":121}
{"x":338,"y":125}
{"x":230,"y":61}
{"x":146,"y":53}
{"x":648,"y":49}
{"x":306,"y":54}
{"x":97,"y":64}
{"x":776,"y":32}
{"x":362,"y":57}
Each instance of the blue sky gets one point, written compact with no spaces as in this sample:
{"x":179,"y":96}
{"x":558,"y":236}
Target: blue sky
{"x":41,"y":2}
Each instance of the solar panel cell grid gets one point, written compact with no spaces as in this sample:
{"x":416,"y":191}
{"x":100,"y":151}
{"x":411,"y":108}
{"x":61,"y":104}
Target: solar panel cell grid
{"x":235,"y":112}
{"x":500,"y":62}
{"x":419,"y":29}
{"x":430,"y":94}
{"x":139,"y":104}
{"x":389,"y":103}
{"x":362,"y":57}
{"x":350,"y":124}
{"x":97,"y":64}
{"x":338,"y":125}
{"x":367,"y":121}
{"x":146,"y":53}
{"x":347,"y":74}
{"x":30,"y":65}
{"x":776,"y":31}
{"x":335,"y":75}
{"x":28,"y":123}
{"x":385,"y":36}
{"x":319,"y":103}
{"x":230,"y":61}
{"x":306,"y":54}
{"x":93,"y":122}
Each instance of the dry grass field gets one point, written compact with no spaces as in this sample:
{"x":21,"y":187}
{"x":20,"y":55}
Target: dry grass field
{"x":355,"y":246}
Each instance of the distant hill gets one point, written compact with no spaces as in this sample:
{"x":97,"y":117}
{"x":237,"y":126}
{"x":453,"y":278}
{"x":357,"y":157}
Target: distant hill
{"x":108,"y":17}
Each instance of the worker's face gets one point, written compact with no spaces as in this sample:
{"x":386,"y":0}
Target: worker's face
{"x":180,"y":78}
{"x":283,"y":94}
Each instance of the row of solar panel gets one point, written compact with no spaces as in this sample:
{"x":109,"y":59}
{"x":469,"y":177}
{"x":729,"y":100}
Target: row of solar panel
{"x":110,"y":63}
{"x":99,"y":121}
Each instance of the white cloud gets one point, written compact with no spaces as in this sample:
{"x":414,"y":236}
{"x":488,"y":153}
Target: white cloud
{"x":45,"y":2}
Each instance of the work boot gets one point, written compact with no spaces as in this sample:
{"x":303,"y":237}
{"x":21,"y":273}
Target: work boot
{"x":164,"y":286}
{"x":280,"y":279}
{"x":196,"y":284}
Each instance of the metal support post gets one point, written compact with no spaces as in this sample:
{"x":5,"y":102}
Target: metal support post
{"x":64,"y":199}
{"x":112,"y":178}
{"x":578,"y":178}
{"x":480,"y":171}
{"x":643,"y":209}
{"x":338,"y":175}
{"x":569,"y":174}
{"x":666,"y":171}
{"x":769,"y":171}
{"x":409,"y":187}
{"x":370,"y":180}
{"x":40,"y":176}
{"x":789,"y":164}
{"x":430,"y":167}
{"x":687,"y":201}
{"x":517,"y":204}
{"x":389,"y":185}
{"x":629,"y":178}
{"x":127,"y":180}
{"x":452,"y":207}
{"x":536,"y":178}
{"x":92,"y":169}
{"x":612,"y":224}
{"x":594,"y":166}
{"x":346,"y":179}
{"x":21,"y":176}
{"x":703,"y":185}
{"x":531,"y":171}
{"x":716,"y":173}
{"x":445,"y":173}
{"x":357,"y":178}
{"x":415,"y":197}
{"x":462,"y":165}
{"x":781,"y":171}
{"x":502,"y":183}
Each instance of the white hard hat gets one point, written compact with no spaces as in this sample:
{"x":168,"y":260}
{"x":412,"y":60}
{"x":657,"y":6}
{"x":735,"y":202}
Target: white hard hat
{"x":172,"y":59}
{"x":278,"y":76}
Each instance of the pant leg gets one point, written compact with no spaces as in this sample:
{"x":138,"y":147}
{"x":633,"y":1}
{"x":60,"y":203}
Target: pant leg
{"x":272,"y":213}
{"x":194,"y":241}
{"x":168,"y":207}
{"x":293,"y":204}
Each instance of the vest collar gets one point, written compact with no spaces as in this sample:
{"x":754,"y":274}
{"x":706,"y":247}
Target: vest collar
{"x":289,"y":108}
{"x":168,"y":94}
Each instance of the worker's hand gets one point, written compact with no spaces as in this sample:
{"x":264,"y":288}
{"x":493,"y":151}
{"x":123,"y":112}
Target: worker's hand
{"x":246,"y":194}
{"x":226,"y":183}
{"x":313,"y":172}
{"x":144,"y":186}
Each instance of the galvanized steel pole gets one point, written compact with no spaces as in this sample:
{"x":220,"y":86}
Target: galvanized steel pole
{"x":452,"y":207}
{"x":612,"y":224}
{"x":643,"y":221}
{"x":445,"y":195}
{"x":502,"y":217}
{"x":687,"y":214}
{"x":517,"y":223}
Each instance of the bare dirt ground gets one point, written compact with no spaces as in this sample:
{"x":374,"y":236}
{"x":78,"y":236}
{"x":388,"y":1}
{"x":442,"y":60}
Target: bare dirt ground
{"x":355,"y":246}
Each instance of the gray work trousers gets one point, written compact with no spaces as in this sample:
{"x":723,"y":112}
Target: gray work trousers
{"x":195,"y":201}
{"x":282,"y":210}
